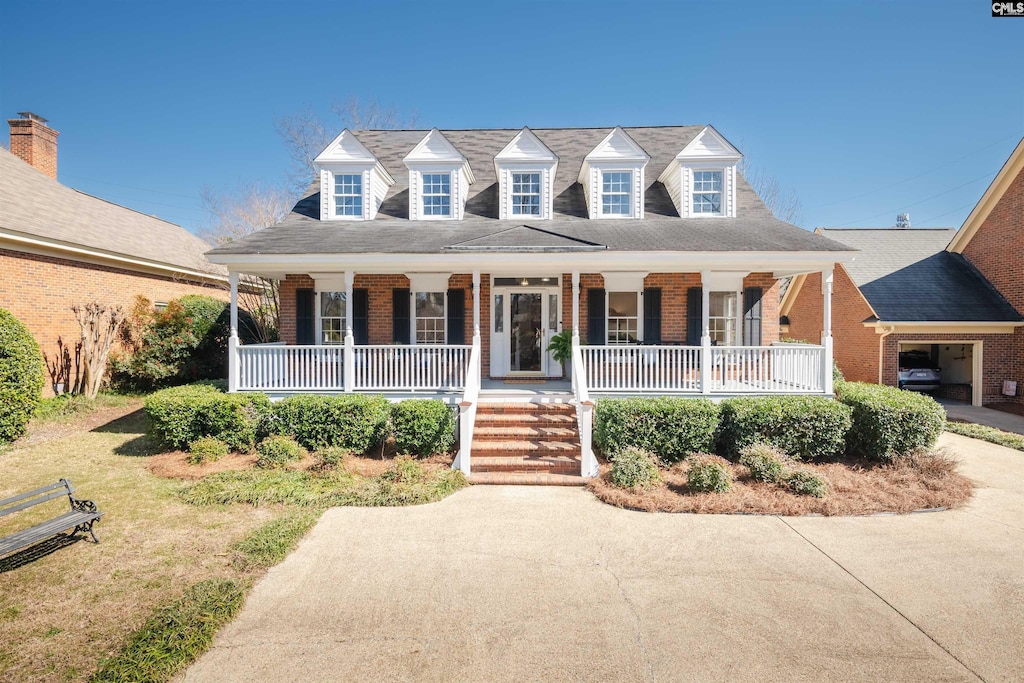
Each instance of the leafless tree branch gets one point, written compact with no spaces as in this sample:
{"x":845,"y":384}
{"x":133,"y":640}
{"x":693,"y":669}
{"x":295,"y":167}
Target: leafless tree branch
{"x":784,"y":204}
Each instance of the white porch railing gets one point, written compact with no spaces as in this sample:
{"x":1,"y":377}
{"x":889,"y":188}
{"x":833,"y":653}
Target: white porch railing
{"x":276,"y":367}
{"x":779,"y":369}
{"x":411,"y":368}
{"x":584,"y":412}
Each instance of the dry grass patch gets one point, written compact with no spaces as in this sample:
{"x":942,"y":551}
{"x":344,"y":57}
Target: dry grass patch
{"x":908,"y":484}
{"x":66,"y":606}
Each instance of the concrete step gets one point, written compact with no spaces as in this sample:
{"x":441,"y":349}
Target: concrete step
{"x":488,"y":432}
{"x":525,"y":479}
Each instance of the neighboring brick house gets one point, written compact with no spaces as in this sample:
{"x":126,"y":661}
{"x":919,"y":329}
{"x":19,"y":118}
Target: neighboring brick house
{"x":60,"y":247}
{"x":444,"y":263}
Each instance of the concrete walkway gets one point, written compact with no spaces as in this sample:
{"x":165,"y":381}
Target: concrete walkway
{"x":548,"y":584}
{"x":1008,"y":422}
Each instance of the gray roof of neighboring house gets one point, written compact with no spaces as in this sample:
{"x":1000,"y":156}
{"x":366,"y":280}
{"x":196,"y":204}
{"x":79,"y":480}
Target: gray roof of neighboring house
{"x":34,"y":204}
{"x":753,"y":229}
{"x":908,"y":276}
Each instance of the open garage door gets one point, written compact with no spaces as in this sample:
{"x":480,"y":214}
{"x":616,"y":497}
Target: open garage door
{"x":945,"y":369}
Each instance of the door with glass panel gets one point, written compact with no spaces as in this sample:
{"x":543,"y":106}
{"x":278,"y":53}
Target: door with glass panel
{"x":526,"y":332}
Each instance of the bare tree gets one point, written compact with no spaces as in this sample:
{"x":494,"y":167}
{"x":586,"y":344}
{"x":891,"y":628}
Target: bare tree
{"x":306,"y":134}
{"x":99,"y":325}
{"x":784,"y":204}
{"x":235,"y":215}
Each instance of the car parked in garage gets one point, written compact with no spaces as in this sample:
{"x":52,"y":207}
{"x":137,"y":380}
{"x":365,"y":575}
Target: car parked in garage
{"x":918,"y":372}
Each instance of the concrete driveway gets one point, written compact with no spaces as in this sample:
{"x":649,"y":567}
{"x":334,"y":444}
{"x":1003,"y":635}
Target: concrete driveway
{"x":548,"y":584}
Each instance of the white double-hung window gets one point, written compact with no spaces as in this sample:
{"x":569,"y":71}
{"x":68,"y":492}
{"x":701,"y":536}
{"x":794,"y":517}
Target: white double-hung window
{"x":437,"y":194}
{"x":707,"y":192}
{"x":332,"y":317}
{"x":723,"y":318}
{"x":348,"y":194}
{"x":526,"y":194}
{"x":616,"y":190}
{"x":623,"y":317}
{"x":430,"y":317}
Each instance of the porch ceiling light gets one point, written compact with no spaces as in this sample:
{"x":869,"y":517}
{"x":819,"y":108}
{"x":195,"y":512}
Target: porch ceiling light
{"x":525,"y":282}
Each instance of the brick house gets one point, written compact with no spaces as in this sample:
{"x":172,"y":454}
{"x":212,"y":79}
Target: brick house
{"x":60,"y":247}
{"x":444,"y":263}
{"x":957,"y":295}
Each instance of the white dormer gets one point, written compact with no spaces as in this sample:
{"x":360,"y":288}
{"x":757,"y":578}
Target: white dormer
{"x":612,"y":176}
{"x":352,"y":182}
{"x":702,"y":178}
{"x":525,"y":169}
{"x":439,"y":179}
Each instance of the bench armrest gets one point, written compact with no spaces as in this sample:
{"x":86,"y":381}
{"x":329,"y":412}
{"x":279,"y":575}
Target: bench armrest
{"x":82,"y":505}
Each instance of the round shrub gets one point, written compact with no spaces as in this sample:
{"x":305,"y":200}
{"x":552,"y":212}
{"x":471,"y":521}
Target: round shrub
{"x":708,"y":474}
{"x":670,"y":428}
{"x":180,"y":415}
{"x":354,"y":422}
{"x":889,"y":422}
{"x":422,"y":427}
{"x":331,"y":457}
{"x":805,"y":427}
{"x":277,"y":451}
{"x":21,"y":377}
{"x":633,"y":468}
{"x":206,"y":449}
{"x":806,"y":483}
{"x":765,"y":462}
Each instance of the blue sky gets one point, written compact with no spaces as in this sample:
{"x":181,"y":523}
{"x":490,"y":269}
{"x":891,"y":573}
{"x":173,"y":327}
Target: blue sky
{"x":866,"y":109}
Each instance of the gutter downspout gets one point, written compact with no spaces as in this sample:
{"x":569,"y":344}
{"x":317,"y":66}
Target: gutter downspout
{"x":881,"y":352}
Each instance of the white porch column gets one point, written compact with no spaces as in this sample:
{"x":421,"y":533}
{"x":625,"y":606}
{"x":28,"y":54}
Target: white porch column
{"x":349,"y":364}
{"x":476,"y":306}
{"x":705,"y":337}
{"x":233,"y":339}
{"x":826,"y":333}
{"x":576,"y":307}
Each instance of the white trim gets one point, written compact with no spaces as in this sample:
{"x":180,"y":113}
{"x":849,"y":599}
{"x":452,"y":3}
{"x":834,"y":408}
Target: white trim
{"x":944,"y":327}
{"x":428,"y":282}
{"x":42,"y":246}
{"x":977,"y":363}
{"x":1013,"y":167}
{"x":639,"y":314}
{"x":624,"y":281}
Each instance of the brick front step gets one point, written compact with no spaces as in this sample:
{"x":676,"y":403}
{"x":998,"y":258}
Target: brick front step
{"x":521,"y":419}
{"x":507,"y":432}
{"x":525,"y":479}
{"x":525,"y":447}
{"x":512,"y":463}
{"x":527,"y":408}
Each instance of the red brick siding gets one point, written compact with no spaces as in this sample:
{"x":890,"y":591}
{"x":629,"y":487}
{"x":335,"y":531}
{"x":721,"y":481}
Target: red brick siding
{"x":997,"y":250}
{"x":40,"y":290}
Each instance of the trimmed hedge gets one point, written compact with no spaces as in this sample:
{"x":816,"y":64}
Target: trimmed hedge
{"x":889,"y":422}
{"x":670,"y":428}
{"x":21,"y":377}
{"x":634,"y":468}
{"x":181,"y":415}
{"x":422,"y":427}
{"x":805,"y":427}
{"x":353,"y":422}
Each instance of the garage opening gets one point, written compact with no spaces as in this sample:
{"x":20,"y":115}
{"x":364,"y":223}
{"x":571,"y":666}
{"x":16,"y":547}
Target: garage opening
{"x":943,"y":369}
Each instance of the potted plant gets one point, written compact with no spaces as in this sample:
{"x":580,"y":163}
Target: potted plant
{"x":560,"y":348}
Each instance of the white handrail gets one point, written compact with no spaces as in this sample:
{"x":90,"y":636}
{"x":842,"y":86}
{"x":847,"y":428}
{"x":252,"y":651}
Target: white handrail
{"x":467,"y":410}
{"x":584,"y":413}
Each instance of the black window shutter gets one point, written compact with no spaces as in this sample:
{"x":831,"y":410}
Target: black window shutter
{"x":456,"y":316}
{"x":305,"y":316}
{"x":652,"y":315}
{"x":595,"y":317}
{"x":361,"y":316}
{"x":694,"y":315}
{"x":752,"y":316}
{"x":400,"y":315}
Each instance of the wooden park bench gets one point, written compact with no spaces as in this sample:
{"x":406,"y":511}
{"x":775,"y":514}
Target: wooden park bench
{"x":81,"y":517}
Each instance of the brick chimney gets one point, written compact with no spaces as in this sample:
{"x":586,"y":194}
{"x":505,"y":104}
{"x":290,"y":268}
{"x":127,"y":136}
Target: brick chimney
{"x":35,"y":142}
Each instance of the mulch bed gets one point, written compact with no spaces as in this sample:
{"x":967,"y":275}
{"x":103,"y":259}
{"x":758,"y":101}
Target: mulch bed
{"x":923,"y":482}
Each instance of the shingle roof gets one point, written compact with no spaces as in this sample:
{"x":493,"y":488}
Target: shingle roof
{"x":34,"y":204}
{"x":754,"y":228}
{"x":908,"y":276}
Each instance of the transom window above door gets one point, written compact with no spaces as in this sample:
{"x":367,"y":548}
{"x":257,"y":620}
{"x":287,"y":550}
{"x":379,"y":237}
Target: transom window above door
{"x":526,"y":194}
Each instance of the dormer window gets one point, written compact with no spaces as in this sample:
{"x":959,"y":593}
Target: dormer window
{"x":707,"y":192}
{"x":348,"y":194}
{"x":439,"y":179}
{"x":612,"y":176}
{"x":526,"y":194}
{"x":352,"y":182}
{"x":437,"y":194}
{"x":616,"y":189}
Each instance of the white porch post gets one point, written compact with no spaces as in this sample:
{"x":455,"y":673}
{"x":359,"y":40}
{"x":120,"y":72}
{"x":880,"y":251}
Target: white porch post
{"x":576,"y":307}
{"x":826,"y":333}
{"x":233,"y":339}
{"x":705,"y":337}
{"x":476,"y":306}
{"x":349,"y":364}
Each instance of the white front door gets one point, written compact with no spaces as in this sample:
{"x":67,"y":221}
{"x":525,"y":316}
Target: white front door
{"x":523,"y":322}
